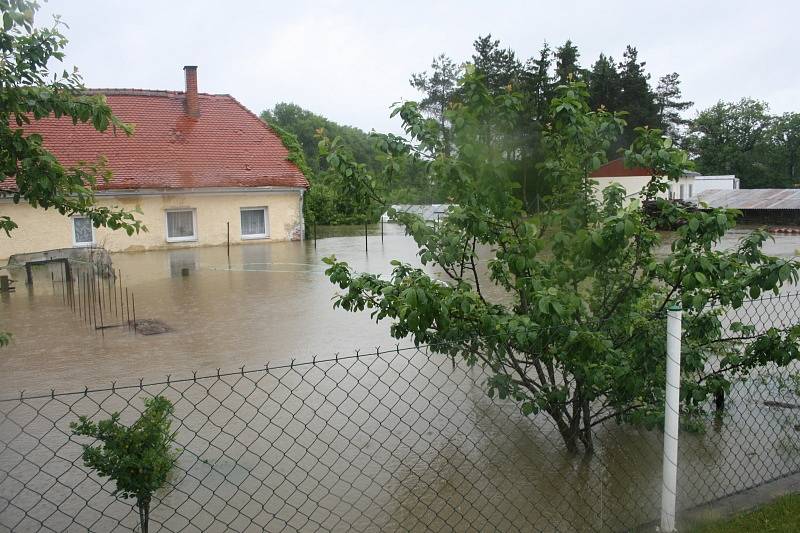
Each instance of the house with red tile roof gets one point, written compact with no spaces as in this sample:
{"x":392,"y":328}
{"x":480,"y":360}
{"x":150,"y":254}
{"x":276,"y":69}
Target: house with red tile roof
{"x":200,"y":168}
{"x":634,"y":179}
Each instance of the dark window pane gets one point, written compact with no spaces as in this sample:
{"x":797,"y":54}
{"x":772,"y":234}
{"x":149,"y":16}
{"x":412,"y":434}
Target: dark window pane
{"x":83,"y":230}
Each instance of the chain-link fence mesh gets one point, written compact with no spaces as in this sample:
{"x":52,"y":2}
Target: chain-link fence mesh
{"x":402,"y":439}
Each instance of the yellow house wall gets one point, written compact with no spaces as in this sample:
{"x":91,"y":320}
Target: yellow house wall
{"x":46,"y":230}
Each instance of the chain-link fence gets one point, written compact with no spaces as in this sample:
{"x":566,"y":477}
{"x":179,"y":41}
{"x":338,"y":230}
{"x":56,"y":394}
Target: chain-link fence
{"x":400,"y":439}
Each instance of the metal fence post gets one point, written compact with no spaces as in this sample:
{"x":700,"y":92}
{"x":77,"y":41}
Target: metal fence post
{"x":671,"y":415}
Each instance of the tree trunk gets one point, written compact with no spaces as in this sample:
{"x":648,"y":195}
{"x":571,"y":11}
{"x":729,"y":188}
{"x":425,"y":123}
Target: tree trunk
{"x":580,"y":430}
{"x":143,"y":502}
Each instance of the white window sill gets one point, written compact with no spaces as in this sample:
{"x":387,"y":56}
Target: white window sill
{"x":83,"y":244}
{"x":183,"y":239}
{"x":254,"y":237}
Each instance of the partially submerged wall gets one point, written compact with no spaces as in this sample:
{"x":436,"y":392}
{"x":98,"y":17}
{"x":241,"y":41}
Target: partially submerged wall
{"x":41,"y":230}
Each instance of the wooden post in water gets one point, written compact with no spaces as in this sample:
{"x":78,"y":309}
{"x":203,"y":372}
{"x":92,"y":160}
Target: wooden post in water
{"x":315,"y":234}
{"x":121,"y":301}
{"x":100,"y":305}
{"x":229,"y":241}
{"x":128,"y":307}
{"x":80,"y":300}
{"x":114,"y":290}
{"x":366,"y":243}
{"x":89,"y":300}
{"x":133,"y":303}
{"x":63,"y":286}
{"x":381,"y":229}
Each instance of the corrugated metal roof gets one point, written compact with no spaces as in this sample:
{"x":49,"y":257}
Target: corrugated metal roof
{"x":751,"y":198}
{"x":429,"y":212}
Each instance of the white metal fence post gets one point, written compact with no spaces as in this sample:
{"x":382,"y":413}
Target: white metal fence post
{"x":671,"y":415}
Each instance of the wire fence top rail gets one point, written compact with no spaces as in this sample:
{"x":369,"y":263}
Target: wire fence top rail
{"x":316,"y":359}
{"x":243,"y":370}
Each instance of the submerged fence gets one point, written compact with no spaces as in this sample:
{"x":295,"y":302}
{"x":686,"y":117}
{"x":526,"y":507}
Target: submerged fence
{"x":402,"y":439}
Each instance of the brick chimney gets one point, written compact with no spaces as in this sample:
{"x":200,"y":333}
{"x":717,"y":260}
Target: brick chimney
{"x":192,"y":102}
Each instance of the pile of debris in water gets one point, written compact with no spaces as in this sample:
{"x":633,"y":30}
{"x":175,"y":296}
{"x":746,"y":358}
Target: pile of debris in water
{"x":148,"y":326}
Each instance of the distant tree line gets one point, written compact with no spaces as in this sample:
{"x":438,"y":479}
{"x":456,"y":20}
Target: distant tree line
{"x":740,"y":138}
{"x":300,"y":130}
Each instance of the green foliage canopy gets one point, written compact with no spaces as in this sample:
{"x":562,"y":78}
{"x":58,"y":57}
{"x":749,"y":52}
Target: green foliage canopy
{"x":28,"y":171}
{"x":300,"y":129}
{"x":743,"y":138}
{"x":568,"y":320}
{"x":138,"y":458}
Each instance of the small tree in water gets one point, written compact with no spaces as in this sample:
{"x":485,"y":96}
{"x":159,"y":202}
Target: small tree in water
{"x":137,"y":457}
{"x":567,"y":314}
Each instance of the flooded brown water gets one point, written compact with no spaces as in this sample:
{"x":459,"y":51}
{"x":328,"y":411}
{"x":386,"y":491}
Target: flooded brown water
{"x":431,"y":452}
{"x":269,"y":302}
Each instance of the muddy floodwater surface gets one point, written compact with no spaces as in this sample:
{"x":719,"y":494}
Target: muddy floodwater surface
{"x":268,"y":302}
{"x":399,"y":441}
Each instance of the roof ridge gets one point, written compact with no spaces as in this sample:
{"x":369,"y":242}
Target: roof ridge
{"x":143,"y":92}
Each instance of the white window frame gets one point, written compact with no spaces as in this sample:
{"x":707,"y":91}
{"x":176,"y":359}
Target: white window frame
{"x":682,"y":188}
{"x":691,"y":187}
{"x":190,"y":238}
{"x":77,"y":244}
{"x":253,"y":236}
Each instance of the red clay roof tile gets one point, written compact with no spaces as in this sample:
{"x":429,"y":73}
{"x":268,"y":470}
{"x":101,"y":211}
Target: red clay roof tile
{"x":227,"y":146}
{"x":617,"y":169}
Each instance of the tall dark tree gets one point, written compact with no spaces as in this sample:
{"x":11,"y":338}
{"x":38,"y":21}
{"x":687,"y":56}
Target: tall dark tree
{"x":537,"y":82}
{"x":499,"y":67}
{"x":604,"y":84}
{"x":567,"y":66}
{"x":439,"y":89}
{"x":636,"y":97}
{"x":670,"y":105}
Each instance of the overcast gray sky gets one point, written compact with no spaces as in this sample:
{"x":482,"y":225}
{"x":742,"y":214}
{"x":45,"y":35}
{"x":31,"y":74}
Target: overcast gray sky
{"x":350,"y":61}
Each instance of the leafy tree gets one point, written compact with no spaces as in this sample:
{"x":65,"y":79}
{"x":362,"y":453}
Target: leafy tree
{"x":573,"y":324}
{"x":138,"y":458}
{"x":29,"y":173}
{"x":305,"y":125}
{"x":668,"y":99}
{"x":744,"y":139}
{"x":299,"y":130}
{"x":785,"y":136}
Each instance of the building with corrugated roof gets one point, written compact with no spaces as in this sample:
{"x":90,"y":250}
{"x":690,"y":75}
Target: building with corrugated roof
{"x":758,"y":206}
